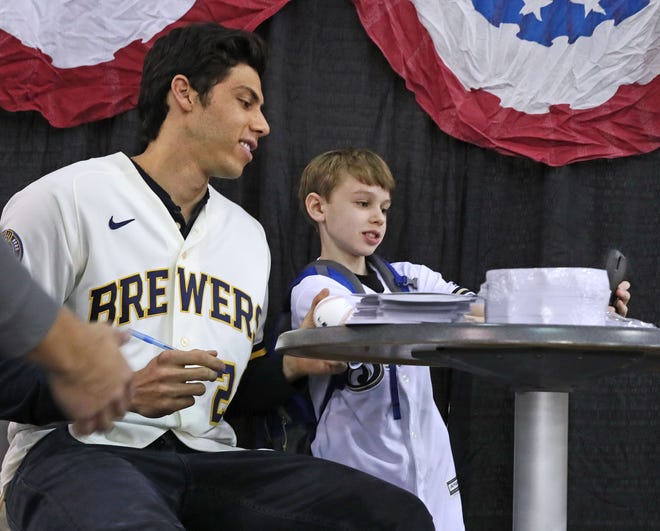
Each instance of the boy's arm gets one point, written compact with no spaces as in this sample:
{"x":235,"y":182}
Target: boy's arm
{"x":429,"y":280}
{"x":270,"y":380}
{"x":304,"y":298}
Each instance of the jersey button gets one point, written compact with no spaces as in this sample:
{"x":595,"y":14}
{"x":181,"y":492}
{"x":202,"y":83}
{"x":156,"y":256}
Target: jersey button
{"x":184,"y":342}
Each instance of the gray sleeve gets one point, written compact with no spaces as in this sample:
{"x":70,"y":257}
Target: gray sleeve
{"x":26,"y":311}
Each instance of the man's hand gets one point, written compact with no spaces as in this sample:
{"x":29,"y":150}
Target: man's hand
{"x":623,"y":298}
{"x":89,"y":376}
{"x":295,"y":367}
{"x":171,"y":381}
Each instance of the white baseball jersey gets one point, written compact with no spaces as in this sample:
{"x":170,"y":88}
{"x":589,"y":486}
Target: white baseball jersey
{"x":358,"y":427}
{"x":99,"y":240}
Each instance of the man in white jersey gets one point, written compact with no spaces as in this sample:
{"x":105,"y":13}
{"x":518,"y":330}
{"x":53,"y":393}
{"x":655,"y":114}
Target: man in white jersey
{"x":145,"y":242}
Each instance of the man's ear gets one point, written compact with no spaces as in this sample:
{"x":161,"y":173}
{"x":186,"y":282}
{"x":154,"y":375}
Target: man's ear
{"x":314,"y":204}
{"x":182,"y":92}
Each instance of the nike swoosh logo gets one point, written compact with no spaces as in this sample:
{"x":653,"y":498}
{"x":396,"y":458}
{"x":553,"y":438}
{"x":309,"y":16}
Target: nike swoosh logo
{"x":114,"y":225}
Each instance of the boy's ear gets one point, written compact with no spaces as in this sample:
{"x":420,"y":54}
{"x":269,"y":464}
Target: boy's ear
{"x":314,"y":204}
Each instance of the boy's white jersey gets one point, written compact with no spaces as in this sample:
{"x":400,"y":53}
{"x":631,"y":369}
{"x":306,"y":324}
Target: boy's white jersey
{"x":100,"y":241}
{"x":358,"y":427}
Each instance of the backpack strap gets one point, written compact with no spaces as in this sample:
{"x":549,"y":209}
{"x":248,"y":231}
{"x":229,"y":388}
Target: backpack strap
{"x":333,"y":270}
{"x":393,"y":280}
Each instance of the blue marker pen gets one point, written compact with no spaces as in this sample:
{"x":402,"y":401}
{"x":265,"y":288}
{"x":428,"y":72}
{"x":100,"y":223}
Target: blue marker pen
{"x":153,"y":341}
{"x":148,"y":339}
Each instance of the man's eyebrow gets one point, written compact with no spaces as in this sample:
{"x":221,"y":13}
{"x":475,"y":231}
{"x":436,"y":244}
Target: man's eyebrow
{"x":253,"y":94}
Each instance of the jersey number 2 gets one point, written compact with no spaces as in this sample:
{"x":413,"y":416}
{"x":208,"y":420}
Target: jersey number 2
{"x":222,"y":393}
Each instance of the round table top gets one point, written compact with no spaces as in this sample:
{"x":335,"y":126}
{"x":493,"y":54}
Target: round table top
{"x":527,"y":356}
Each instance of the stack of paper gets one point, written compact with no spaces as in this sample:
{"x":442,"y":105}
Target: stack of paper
{"x":392,"y":308}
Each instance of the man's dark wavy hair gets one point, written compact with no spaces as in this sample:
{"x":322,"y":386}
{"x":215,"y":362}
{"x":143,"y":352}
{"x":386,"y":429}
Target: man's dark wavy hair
{"x":204,"y":53}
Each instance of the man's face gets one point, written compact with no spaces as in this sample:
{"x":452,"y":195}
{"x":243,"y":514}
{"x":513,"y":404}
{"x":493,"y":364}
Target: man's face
{"x":355,"y":219}
{"x":226,"y":129}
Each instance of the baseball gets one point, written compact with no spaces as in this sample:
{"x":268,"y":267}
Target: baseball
{"x":333,"y":311}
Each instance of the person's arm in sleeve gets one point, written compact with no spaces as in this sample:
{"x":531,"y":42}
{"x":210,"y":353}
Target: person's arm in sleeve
{"x":25,"y":394}
{"x":26,"y":311}
{"x":26,"y":315}
{"x":88,"y":376}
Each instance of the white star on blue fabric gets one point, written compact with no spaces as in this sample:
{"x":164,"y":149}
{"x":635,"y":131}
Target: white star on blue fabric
{"x":534,"y":6}
{"x":589,"y":6}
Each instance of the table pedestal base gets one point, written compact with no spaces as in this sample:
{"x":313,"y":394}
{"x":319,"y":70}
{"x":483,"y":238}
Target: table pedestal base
{"x":540,"y":466}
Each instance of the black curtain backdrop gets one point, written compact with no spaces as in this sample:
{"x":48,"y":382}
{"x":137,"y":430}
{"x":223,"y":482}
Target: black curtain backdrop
{"x":459,"y":209}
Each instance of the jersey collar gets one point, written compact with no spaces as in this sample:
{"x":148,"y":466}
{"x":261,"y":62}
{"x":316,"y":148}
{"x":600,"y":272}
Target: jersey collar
{"x":172,"y":207}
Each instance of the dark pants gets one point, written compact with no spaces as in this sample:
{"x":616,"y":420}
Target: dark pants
{"x":65,"y":485}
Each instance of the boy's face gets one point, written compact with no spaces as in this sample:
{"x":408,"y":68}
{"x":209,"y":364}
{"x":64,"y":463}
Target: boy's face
{"x":227,"y":128}
{"x":354,"y":220}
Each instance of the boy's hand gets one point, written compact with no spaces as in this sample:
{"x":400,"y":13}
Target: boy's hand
{"x":295,"y":367}
{"x":308,"y":321}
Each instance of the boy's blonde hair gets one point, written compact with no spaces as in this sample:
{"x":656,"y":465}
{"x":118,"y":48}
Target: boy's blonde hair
{"x":326,"y":171}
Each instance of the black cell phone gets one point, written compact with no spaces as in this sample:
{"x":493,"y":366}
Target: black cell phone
{"x":616,"y":271}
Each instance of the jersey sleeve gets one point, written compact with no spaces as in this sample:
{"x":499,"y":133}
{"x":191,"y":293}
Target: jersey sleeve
{"x":429,"y":281}
{"x":259,"y":347}
{"x":42,"y":226}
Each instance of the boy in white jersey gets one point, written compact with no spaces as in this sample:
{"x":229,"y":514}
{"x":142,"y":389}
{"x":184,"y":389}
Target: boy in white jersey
{"x":145,"y":242}
{"x":346,"y":194}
